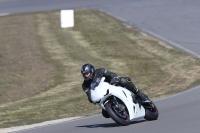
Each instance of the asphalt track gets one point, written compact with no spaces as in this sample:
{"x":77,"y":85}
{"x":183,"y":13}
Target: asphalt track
{"x":174,"y":21}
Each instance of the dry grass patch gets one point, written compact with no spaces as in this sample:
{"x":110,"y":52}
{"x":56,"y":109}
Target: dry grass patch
{"x":23,"y":72}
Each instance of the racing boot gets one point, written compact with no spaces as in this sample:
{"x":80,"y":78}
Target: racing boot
{"x":127,"y":83}
{"x":146,"y":102}
{"x":141,"y":95}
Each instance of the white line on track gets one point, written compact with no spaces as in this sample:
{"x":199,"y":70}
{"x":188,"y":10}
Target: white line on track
{"x":157,"y":36}
{"x":172,"y":43}
{"x":37,"y":125}
{"x":4,"y":14}
{"x":180,"y":93}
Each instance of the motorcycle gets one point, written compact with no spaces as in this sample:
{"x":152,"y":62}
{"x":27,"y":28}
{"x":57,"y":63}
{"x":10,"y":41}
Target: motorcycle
{"x":120,"y":104}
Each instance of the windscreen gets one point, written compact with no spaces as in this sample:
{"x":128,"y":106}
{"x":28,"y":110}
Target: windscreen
{"x":95,"y":83}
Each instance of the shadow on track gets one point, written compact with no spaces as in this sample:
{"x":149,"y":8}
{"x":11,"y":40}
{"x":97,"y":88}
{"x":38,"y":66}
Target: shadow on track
{"x":107,"y":125}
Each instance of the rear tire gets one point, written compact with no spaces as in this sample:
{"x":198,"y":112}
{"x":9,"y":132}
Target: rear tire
{"x":151,"y":114}
{"x":122,"y":121}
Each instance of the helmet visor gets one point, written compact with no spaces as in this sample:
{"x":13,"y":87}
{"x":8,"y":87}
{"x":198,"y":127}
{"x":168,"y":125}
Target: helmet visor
{"x":86,"y":75}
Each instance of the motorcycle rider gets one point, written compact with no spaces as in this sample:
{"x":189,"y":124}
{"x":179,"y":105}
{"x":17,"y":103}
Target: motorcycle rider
{"x":89,"y":73}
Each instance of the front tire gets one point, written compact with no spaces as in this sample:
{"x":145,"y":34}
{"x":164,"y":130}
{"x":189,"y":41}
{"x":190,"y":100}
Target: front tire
{"x":110,"y":110}
{"x":105,"y":114}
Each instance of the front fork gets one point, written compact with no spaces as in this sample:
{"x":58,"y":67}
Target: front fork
{"x":117,"y":105}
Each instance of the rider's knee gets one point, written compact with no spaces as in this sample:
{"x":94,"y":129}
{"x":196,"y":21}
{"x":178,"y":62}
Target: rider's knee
{"x":125,"y":80}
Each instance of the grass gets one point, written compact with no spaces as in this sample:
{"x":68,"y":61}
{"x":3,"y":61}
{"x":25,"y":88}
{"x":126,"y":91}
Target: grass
{"x":40,"y":64}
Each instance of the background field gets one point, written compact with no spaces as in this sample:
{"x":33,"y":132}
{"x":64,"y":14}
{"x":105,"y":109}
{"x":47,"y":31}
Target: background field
{"x":40,"y":64}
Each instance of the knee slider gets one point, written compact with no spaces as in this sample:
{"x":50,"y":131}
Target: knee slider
{"x":125,"y":80}
{"x":128,"y":79}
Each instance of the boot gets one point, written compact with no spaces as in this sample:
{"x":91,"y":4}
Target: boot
{"x":146,"y":102}
{"x":142,"y":96}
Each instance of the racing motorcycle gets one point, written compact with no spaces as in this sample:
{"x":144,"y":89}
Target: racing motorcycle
{"x":120,"y":104}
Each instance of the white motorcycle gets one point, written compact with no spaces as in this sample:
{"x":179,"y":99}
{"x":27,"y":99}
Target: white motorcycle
{"x":120,"y":104}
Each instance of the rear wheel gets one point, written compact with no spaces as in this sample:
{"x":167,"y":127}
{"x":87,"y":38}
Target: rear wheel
{"x":151,"y":113}
{"x":121,"y":118}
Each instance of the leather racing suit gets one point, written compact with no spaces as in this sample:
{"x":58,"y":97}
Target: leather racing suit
{"x":122,"y":81}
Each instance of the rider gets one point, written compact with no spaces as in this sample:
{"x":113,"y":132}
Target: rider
{"x":89,"y":73}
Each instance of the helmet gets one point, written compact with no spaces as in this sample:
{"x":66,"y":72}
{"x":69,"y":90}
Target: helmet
{"x":88,"y":71}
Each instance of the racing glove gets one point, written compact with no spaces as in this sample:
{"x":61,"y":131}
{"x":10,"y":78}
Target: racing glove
{"x":115,"y":80}
{"x":87,"y":91}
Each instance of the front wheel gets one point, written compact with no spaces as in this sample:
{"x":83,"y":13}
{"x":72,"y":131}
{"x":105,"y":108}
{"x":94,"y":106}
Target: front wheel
{"x":121,"y":118}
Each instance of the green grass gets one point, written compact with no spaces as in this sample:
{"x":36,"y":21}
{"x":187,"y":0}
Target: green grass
{"x":40,"y":64}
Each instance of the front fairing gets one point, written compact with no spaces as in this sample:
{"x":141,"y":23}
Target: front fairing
{"x":99,"y":90}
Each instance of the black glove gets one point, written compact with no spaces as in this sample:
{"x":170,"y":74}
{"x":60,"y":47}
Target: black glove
{"x":115,"y":80}
{"x":89,"y":99}
{"x":89,"y":96}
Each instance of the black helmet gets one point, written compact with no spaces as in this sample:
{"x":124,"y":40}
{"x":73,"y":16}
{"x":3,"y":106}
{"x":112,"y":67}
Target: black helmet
{"x":88,"y":71}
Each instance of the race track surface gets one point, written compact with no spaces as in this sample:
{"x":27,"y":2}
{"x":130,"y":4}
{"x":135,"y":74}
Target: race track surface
{"x":176,"y":22}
